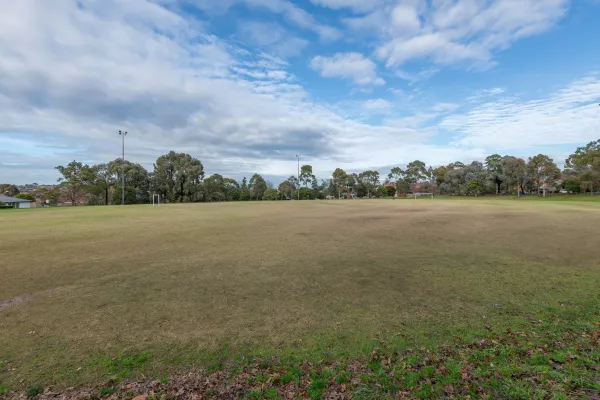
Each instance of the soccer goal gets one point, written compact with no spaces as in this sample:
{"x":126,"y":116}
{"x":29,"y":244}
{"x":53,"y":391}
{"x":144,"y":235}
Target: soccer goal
{"x":155,"y":200}
{"x":417,"y":195}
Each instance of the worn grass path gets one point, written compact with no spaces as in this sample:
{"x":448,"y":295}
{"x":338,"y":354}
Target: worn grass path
{"x":119,"y":292}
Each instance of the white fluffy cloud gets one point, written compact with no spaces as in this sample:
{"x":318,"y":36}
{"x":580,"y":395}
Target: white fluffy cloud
{"x":455,"y":31}
{"x":570,"y":116}
{"x":353,"y":66}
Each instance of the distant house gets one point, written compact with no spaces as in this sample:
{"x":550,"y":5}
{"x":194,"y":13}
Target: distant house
{"x":16,"y":203}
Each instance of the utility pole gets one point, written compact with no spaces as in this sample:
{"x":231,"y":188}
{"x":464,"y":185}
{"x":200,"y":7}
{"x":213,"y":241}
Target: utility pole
{"x":298,"y":157}
{"x":123,"y":134}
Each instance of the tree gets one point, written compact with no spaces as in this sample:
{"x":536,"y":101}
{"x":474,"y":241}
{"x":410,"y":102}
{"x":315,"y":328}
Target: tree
{"x":25,"y":196}
{"x":9,"y":190}
{"x":590,"y":180}
{"x":572,"y":185}
{"x":475,"y":187}
{"x":543,"y":171}
{"x":214,"y":188}
{"x":495,"y":170}
{"x":231,"y":189}
{"x":257,"y":187}
{"x":416,"y":171}
{"x":382,"y":192}
{"x":76,"y":179}
{"x":306,"y":175}
{"x":270,"y":195}
{"x":338,"y":179}
{"x":515,"y":173}
{"x":305,"y":193}
{"x":368,"y":180}
{"x":49,"y":196}
{"x":244,"y":192}
{"x":178,"y":177}
{"x":396,"y":174}
{"x":104,"y":180}
{"x":288,"y":187}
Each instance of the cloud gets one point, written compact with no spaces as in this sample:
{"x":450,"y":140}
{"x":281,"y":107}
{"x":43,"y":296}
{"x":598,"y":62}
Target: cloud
{"x":353,"y":66}
{"x":456,"y":31}
{"x":296,"y":16}
{"x":75,"y":73}
{"x":272,"y":37}
{"x":377,"y":105}
{"x":358,"y":6}
{"x":568,"y":116}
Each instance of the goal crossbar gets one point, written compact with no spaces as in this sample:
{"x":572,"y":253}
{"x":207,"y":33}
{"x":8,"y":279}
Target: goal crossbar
{"x":417,"y":195}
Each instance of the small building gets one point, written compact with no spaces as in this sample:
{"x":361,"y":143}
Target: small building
{"x":15,"y":202}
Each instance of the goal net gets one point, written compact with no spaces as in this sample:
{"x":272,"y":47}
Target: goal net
{"x":417,"y":195}
{"x":156,"y":200}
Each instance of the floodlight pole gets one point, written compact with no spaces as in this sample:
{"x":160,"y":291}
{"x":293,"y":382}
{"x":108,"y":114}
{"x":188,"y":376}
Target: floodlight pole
{"x":298,"y":157}
{"x":123,"y":134}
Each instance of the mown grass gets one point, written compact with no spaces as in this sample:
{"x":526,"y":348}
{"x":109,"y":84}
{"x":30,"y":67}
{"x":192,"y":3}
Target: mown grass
{"x":119,"y":292}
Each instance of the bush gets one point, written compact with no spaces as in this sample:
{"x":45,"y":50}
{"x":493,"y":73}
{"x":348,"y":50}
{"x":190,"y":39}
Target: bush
{"x":572,"y":186}
{"x":305,"y":194}
{"x":25,"y":196}
{"x":271,"y":195}
{"x":382,"y":192}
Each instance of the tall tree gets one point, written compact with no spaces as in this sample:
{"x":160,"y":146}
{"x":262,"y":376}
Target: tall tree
{"x":257,"y":186}
{"x":244,"y":191}
{"x":338,"y":180}
{"x":76,"y":179}
{"x":137,"y":181}
{"x":178,"y":177}
{"x":306,"y":175}
{"x":515,"y":173}
{"x":416,"y":171}
{"x":543,"y":171}
{"x":494,"y":166}
{"x":369,"y":180}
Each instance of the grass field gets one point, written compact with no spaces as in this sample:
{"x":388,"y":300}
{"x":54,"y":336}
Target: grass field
{"x":89,"y":294}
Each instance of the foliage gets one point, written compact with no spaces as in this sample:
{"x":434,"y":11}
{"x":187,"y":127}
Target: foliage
{"x":8,"y":189}
{"x":178,"y":177}
{"x":368,"y":182}
{"x":475,"y":187}
{"x":244,"y":191}
{"x":306,"y":175}
{"x":338,"y":180}
{"x":287,"y":188}
{"x":271,"y":195}
{"x":257,"y":187}
{"x":495,"y":170}
{"x":572,"y":185}
{"x":416,"y":171}
{"x":76,"y":179}
{"x":33,"y":391}
{"x":382,"y":192}
{"x":25,"y":196}
{"x":306,"y":194}
{"x":218,"y":188}
{"x":543,"y":172}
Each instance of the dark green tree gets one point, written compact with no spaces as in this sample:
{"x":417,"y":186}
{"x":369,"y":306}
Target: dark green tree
{"x":257,"y":187}
{"x":178,"y":177}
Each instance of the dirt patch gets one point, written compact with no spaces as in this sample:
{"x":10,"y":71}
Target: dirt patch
{"x":15,"y":301}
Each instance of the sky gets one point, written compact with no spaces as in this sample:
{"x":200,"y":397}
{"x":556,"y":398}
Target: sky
{"x":246,"y":85}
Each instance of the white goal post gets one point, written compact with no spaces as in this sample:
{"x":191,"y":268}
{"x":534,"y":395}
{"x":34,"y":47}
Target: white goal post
{"x":417,"y":195}
{"x":155,"y":200}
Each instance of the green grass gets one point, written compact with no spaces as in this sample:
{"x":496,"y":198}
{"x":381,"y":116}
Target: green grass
{"x":121,"y":292}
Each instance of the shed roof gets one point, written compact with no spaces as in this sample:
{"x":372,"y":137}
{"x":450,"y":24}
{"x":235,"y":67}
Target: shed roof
{"x":6,"y":199}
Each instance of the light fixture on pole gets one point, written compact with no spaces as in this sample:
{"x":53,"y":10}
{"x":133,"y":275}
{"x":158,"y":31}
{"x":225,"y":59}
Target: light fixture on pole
{"x":123,"y":134}
{"x":298,"y":157}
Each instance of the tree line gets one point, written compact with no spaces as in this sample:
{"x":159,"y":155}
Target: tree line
{"x":179,"y":177}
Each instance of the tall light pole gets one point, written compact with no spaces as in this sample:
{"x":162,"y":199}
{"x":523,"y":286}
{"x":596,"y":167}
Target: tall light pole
{"x":298,"y":157}
{"x":123,"y":134}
